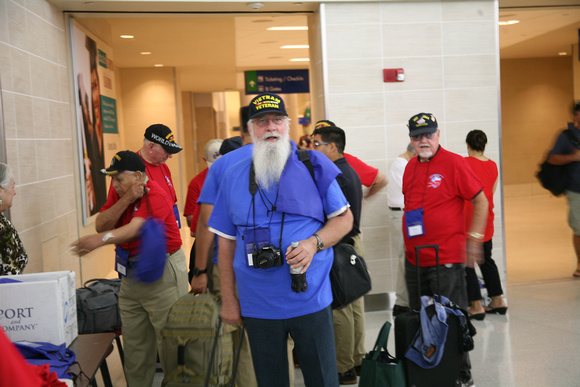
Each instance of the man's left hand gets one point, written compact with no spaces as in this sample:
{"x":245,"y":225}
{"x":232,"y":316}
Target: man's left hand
{"x":302,"y":255}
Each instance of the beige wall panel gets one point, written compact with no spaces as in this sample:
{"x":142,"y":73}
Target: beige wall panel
{"x":449,"y":53}
{"x":348,"y":75}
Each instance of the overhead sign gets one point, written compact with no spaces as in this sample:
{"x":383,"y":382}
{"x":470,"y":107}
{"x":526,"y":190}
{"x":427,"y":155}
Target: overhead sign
{"x":277,"y":81}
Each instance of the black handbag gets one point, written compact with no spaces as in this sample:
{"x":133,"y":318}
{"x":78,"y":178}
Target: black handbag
{"x":349,"y":277}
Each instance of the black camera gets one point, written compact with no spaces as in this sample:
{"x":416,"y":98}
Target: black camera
{"x":266,"y":257}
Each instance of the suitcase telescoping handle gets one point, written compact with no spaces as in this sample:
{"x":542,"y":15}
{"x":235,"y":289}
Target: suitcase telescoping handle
{"x":417,"y":249}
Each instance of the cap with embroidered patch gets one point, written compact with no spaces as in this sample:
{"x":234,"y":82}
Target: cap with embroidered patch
{"x":267,"y":103}
{"x":212,"y":150}
{"x":324,"y":123}
{"x":163,"y":136}
{"x":125,"y":161}
{"x":422,"y":123}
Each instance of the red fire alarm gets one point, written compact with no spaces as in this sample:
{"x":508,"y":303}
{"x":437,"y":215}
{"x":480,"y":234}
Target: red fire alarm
{"x":393,"y":75}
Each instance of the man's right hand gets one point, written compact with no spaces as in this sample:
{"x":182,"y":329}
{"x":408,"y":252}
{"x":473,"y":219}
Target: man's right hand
{"x":136,"y":192}
{"x":231,"y":313}
{"x":199,"y":284}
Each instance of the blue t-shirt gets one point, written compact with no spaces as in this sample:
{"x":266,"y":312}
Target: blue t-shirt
{"x":218,"y":170}
{"x":267,"y":293}
{"x":564,"y":146}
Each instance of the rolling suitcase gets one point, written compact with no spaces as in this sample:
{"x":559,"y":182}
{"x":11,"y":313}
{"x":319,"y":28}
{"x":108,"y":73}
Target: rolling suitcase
{"x":447,"y":372}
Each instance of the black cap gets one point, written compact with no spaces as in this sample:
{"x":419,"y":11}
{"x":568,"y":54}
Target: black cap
{"x":323,"y":123}
{"x":422,"y":123}
{"x":267,"y":103}
{"x":125,"y":161}
{"x":230,"y":144}
{"x":163,"y":136}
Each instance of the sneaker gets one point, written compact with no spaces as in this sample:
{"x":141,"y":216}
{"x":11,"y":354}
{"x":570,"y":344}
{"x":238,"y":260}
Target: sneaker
{"x":348,"y":377}
{"x":467,"y":383}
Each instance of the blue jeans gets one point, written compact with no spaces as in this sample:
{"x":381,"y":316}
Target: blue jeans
{"x":313,"y":336}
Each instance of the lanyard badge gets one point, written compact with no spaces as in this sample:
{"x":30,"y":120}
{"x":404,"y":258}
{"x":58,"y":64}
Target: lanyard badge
{"x":414,"y":223}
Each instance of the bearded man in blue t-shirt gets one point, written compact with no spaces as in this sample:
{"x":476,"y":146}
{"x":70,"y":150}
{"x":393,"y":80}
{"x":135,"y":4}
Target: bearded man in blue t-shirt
{"x":264,"y":203}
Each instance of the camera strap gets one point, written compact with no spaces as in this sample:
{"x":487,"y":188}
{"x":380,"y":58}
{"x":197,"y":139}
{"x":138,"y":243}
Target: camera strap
{"x":255,"y":188}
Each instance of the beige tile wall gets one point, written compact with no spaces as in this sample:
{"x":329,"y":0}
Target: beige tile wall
{"x":450,"y":56}
{"x":39,"y":132}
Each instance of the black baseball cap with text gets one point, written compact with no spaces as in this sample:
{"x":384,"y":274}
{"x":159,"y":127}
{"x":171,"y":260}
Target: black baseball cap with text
{"x":422,"y":123}
{"x":163,"y":136}
{"x":267,"y":103}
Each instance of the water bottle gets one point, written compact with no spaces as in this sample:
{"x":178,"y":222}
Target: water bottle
{"x":297,"y":270}
{"x":299,"y":283}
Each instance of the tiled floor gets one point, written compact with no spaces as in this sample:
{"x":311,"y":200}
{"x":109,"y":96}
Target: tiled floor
{"x":538,"y":342}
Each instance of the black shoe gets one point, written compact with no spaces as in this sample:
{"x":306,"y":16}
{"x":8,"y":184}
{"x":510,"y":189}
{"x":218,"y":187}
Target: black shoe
{"x":348,"y":377}
{"x":398,"y":309}
{"x":357,"y":370}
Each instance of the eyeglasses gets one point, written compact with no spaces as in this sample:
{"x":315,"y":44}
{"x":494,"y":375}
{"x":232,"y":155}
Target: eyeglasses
{"x":317,"y":144}
{"x":263,"y":122}
{"x":428,"y":136}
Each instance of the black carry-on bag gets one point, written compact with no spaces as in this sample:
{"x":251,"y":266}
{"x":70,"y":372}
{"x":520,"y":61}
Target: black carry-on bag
{"x":447,"y":372}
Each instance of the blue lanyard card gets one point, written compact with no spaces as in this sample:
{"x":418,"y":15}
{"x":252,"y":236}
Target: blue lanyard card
{"x":121,"y":260}
{"x":414,"y":223}
{"x":255,"y":239}
{"x":176,"y":213}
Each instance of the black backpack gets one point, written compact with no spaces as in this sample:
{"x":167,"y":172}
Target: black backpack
{"x":552,"y":177}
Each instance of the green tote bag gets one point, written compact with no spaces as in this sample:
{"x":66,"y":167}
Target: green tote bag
{"x":379,"y":368}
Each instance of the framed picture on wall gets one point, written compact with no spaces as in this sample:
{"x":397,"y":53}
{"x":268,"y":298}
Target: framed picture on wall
{"x":96,"y":113}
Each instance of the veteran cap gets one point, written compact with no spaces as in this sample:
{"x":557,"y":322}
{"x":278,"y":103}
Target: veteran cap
{"x":125,"y":161}
{"x":324,"y":123}
{"x":267,"y":103}
{"x":212,"y":150}
{"x":422,"y":123}
{"x":163,"y":136}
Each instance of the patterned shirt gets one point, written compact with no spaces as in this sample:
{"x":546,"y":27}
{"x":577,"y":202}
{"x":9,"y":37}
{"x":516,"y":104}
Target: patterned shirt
{"x":12,"y":252}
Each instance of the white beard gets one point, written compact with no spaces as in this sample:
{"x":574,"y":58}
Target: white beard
{"x":270,"y":158}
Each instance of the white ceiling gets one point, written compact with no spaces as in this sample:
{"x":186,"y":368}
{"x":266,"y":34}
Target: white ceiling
{"x":214,"y":41}
{"x":541,"y":32}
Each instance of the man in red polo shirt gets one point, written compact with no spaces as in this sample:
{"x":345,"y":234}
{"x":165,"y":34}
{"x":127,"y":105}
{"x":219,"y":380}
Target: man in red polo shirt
{"x":436,"y":185}
{"x":144,"y":305}
{"x":158,"y":146}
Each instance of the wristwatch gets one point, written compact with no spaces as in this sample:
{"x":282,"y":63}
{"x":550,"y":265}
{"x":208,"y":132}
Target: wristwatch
{"x":196,"y":272}
{"x":319,"y":245}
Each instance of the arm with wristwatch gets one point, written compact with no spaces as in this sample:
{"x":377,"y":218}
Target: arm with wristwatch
{"x":475,"y":232}
{"x":334,"y":229}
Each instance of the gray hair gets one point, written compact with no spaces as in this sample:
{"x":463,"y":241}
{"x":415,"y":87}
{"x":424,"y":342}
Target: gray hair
{"x":410,"y":148}
{"x":6,"y":175}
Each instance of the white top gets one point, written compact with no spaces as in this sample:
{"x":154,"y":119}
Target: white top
{"x":395,"y":187}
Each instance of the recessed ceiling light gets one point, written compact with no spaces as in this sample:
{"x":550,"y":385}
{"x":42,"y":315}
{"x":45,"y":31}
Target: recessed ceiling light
{"x":296,"y":46}
{"x":159,"y":65}
{"x":145,"y":52}
{"x":290,"y":28}
{"x":562,"y":53}
{"x":127,"y":36}
{"x":509,"y":22}
{"x":300,"y":60}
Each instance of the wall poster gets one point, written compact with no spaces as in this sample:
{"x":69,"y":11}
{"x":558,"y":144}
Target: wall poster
{"x":94,"y":83}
